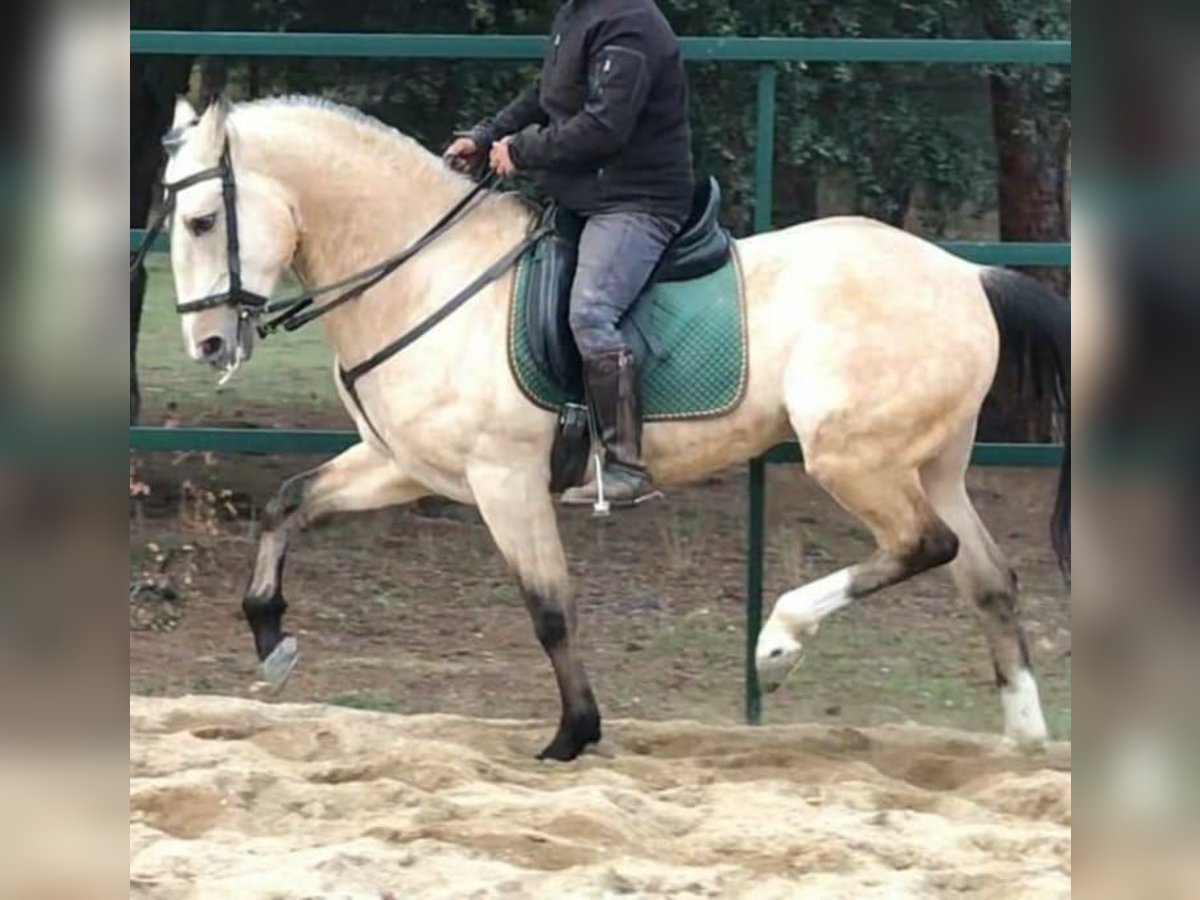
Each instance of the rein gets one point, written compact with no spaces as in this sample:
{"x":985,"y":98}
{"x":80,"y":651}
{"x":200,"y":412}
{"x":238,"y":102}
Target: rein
{"x":295,"y":312}
{"x":295,"y":309}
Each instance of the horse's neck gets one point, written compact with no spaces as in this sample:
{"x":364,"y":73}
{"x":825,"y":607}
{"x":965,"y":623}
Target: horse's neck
{"x":362,"y":199}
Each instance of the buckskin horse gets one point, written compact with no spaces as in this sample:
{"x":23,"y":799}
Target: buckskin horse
{"x":873,"y":348}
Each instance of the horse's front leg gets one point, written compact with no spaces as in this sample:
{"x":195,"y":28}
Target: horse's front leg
{"x":361,"y":478}
{"x":517,"y":508}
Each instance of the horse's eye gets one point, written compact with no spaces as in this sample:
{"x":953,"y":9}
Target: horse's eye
{"x":201,"y":224}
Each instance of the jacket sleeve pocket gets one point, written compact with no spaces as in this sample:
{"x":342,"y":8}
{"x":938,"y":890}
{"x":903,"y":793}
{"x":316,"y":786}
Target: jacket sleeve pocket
{"x":618,"y":85}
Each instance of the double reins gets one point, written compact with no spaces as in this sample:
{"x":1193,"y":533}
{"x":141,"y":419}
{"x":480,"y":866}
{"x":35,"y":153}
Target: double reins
{"x":295,"y":311}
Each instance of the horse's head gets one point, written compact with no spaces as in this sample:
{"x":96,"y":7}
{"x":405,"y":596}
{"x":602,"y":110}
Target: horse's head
{"x":233,"y":235}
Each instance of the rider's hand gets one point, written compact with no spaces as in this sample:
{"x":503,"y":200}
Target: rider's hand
{"x":460,"y":154}
{"x":501,"y":159}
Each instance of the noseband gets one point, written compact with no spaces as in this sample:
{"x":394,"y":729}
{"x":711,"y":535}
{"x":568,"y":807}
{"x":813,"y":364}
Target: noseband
{"x":247,"y":303}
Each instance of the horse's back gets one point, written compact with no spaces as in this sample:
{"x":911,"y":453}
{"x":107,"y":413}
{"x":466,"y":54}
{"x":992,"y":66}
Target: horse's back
{"x":871,"y":327}
{"x":846,"y":240}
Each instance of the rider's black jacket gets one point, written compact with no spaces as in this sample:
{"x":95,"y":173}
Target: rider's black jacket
{"x":605,"y":127}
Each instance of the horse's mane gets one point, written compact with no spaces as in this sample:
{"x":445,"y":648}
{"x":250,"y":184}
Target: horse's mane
{"x":369,"y":127}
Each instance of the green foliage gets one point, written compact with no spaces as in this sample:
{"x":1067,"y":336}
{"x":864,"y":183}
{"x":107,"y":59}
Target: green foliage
{"x":882,"y":140}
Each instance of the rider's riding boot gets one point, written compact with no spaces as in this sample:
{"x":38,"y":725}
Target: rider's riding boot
{"x":613,"y":396}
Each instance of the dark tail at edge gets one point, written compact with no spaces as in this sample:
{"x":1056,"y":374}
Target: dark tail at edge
{"x":1035,"y":346}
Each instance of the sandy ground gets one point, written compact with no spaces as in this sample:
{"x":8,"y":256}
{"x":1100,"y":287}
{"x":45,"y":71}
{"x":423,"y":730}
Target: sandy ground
{"x":236,"y":798}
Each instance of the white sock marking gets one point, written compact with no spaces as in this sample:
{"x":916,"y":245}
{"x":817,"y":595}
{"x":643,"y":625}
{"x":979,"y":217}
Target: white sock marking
{"x":1023,"y":720}
{"x":800,"y":610}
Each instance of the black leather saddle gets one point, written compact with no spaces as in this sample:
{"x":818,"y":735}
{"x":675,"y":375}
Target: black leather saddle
{"x":701,"y":248}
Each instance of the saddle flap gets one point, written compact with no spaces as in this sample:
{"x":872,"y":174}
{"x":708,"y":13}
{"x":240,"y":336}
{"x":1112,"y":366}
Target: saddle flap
{"x":702,"y":245}
{"x":547,"y":312}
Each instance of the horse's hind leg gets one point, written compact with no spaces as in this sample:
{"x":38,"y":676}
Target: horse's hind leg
{"x":984,"y":577}
{"x":910,"y":537}
{"x":359,"y":479}
{"x":517,"y":508}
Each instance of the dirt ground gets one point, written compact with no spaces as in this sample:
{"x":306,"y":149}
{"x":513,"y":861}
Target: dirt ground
{"x":412,"y":610}
{"x":235,"y":798}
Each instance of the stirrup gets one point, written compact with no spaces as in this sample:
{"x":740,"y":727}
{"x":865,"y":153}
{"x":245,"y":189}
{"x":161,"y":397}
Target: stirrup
{"x":601,"y":508}
{"x":603,"y":496}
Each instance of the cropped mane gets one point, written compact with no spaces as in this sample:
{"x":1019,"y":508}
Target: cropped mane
{"x":373,"y":131}
{"x":323,"y":104}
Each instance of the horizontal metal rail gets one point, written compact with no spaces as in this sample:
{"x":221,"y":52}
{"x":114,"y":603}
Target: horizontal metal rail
{"x":152,"y":439}
{"x":989,"y":253}
{"x":529,"y":47}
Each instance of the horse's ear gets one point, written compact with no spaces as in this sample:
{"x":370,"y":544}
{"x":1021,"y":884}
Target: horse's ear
{"x":210,"y":131}
{"x":185,"y":114}
{"x":185,"y":118}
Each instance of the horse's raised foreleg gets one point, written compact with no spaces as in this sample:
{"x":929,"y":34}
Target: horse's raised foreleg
{"x":984,"y":577}
{"x":359,"y":479}
{"x":517,"y":508}
{"x":908,"y":532}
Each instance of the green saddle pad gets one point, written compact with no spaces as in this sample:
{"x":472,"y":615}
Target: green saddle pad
{"x":690,"y":337}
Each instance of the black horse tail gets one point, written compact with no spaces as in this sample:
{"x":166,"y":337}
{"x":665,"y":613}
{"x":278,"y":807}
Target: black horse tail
{"x":1035,"y":352}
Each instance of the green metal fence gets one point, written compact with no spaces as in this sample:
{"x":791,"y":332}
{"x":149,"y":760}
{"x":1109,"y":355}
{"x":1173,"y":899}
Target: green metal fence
{"x":765,"y":53}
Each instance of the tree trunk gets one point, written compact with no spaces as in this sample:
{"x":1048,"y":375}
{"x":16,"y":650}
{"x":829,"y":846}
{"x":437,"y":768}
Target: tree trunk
{"x":1032,"y":152}
{"x":1032,"y":157}
{"x":1032,"y":147}
{"x":796,"y":188}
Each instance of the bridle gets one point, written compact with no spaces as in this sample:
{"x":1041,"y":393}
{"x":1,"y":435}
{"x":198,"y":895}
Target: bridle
{"x":294,"y":311}
{"x":247,"y":303}
{"x":298,"y":310}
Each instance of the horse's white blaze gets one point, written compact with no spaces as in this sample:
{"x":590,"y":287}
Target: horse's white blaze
{"x":1023,"y":720}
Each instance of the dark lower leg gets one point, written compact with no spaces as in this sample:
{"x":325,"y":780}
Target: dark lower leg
{"x":358,"y":479}
{"x":264,"y":613}
{"x":1006,"y":638}
{"x":985,"y":579}
{"x":579,"y":725}
{"x":1019,"y":696}
{"x":263,"y":604}
{"x":935,"y":546}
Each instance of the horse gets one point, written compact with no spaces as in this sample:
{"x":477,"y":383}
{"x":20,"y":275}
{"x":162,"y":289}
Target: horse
{"x":872,"y":347}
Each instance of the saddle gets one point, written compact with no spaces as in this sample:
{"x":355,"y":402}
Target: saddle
{"x":701,"y":248}
{"x":686,"y":329}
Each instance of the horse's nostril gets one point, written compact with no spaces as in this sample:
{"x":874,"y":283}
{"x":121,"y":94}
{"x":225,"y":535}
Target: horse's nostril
{"x":212,"y":347}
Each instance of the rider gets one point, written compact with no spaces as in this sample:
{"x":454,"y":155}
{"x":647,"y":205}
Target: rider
{"x":604,"y":131}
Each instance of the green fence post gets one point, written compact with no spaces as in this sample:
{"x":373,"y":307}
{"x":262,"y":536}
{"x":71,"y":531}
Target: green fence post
{"x":764,"y":149}
{"x":764,"y":172}
{"x":754,"y":584}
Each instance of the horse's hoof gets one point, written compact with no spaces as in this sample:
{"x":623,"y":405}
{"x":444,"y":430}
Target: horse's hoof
{"x":563,"y":748}
{"x":1025,"y":745}
{"x":278,"y":666}
{"x":572,"y":740}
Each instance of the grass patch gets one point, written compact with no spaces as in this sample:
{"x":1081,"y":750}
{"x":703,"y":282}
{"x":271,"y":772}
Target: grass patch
{"x":372,"y":701}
